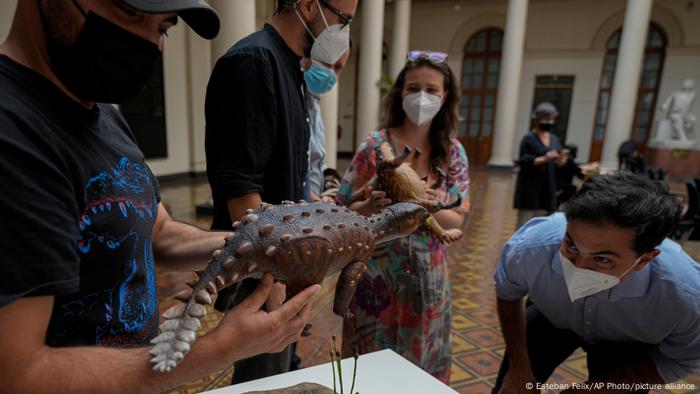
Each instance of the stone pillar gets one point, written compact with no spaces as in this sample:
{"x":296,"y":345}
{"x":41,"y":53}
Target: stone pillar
{"x":329,"y":113}
{"x":626,"y":82}
{"x":399,"y":40}
{"x":370,"y":68}
{"x":509,"y":84}
{"x":237,"y":21}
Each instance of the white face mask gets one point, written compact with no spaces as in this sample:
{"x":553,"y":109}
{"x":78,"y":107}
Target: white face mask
{"x":332,"y":43}
{"x":421,"y":107}
{"x":582,"y":282}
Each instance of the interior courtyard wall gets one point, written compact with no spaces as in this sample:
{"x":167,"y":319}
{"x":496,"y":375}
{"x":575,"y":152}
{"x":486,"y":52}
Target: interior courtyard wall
{"x":559,"y":40}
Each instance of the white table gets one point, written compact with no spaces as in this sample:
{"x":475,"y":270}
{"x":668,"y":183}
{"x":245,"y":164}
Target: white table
{"x":380,"y":372}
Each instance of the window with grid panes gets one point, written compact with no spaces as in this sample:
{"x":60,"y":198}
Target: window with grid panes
{"x":482,"y":60}
{"x":647,"y":93}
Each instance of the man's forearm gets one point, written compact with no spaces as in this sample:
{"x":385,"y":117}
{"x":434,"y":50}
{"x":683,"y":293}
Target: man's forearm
{"x":512,"y":317}
{"x":182,"y":247}
{"x":110,"y":370}
{"x":237,"y":206}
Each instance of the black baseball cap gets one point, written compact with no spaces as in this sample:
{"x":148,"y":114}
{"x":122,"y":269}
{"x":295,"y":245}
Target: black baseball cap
{"x":199,"y":15}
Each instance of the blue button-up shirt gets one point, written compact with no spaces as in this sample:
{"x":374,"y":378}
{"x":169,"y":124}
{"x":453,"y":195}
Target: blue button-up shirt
{"x":658,"y":305}
{"x":317,"y":149}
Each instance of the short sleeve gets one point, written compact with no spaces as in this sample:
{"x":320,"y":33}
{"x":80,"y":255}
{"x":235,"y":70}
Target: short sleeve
{"x":678,"y":355}
{"x":510,"y":279}
{"x":458,"y":175}
{"x":39,"y":217}
{"x":361,"y":171}
{"x":241,"y":117}
{"x":527,"y":154}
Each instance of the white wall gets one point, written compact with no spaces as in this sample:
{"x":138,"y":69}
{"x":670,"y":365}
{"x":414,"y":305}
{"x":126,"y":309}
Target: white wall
{"x":7,"y":11}
{"x":177,"y":119}
{"x":200,"y":65}
{"x":585,"y":66}
{"x":563,"y":37}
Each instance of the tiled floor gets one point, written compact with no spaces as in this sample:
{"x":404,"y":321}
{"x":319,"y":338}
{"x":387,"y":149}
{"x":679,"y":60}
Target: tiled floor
{"x":478,"y":344}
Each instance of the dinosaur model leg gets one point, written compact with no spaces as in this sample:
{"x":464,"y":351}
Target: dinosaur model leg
{"x":446,"y":236}
{"x":433,"y":206}
{"x":441,"y":177}
{"x":345,"y":289}
{"x":404,"y":156}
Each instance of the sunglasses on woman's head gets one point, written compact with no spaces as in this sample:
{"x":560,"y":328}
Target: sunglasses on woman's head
{"x":435,"y":57}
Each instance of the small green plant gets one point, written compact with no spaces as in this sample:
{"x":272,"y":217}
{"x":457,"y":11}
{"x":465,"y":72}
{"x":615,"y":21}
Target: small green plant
{"x":385,"y":83}
{"x":335,"y":363}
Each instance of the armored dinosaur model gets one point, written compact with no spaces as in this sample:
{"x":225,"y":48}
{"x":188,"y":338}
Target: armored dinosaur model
{"x":300,"y":244}
{"x":401,"y":183}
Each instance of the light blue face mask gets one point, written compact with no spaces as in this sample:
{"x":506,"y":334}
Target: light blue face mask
{"x":319,"y":79}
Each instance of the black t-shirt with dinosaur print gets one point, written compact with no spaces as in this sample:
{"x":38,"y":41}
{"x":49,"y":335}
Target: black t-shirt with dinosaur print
{"x":78,"y":204}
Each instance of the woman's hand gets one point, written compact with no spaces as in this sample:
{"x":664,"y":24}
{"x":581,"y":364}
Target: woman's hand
{"x":435,"y":194}
{"x":552,"y":154}
{"x":370,"y":201}
{"x":376,"y":202}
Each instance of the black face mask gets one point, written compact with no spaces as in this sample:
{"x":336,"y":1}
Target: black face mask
{"x":105,"y":64}
{"x":545,"y":126}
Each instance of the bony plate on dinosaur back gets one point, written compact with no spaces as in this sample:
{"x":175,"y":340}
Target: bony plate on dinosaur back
{"x":401,"y":183}
{"x":299,"y":244}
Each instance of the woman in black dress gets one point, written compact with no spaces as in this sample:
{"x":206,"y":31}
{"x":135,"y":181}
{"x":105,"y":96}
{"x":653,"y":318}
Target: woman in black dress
{"x":536,"y":187}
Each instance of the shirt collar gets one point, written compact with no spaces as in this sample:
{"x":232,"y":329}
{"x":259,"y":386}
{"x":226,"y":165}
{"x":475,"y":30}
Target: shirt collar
{"x":635,"y":285}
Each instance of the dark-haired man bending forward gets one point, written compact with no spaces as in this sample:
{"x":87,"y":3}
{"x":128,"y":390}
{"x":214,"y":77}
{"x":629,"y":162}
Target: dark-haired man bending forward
{"x":601,"y":276}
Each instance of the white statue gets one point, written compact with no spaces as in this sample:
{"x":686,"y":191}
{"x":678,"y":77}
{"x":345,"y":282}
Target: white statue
{"x":677,"y":108}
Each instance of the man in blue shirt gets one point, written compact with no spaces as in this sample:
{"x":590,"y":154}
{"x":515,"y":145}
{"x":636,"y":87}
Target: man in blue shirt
{"x":601,"y":276}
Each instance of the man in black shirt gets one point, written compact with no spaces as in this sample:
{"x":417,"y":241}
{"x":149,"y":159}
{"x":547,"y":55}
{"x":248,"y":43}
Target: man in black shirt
{"x":82,"y":224}
{"x":257,"y":124}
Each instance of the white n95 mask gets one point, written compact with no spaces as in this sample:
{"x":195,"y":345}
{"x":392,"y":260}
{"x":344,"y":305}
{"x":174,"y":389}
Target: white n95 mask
{"x":332,"y":43}
{"x":583,"y":282}
{"x":421,"y":107}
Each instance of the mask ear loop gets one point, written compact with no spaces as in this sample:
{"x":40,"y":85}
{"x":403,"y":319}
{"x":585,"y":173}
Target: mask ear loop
{"x":304,"y":24}
{"x":631,"y":266}
{"x":320,"y":10}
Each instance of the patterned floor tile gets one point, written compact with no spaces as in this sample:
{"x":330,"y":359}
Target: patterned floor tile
{"x":485,"y":337}
{"x":474,"y":388}
{"x":459,"y":374}
{"x":483,"y":363}
{"x":461,"y":345}
{"x":464,"y":304}
{"x":461,"y":322}
{"x":488,"y":317}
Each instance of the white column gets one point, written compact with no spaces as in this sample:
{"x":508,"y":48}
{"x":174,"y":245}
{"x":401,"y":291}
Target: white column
{"x":399,"y":39}
{"x":237,"y":21}
{"x":329,"y":113}
{"x":370,"y":67}
{"x":509,"y":84}
{"x":626,"y":82}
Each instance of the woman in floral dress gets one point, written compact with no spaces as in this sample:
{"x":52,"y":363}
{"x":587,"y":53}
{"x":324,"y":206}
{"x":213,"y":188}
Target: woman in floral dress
{"x":402,"y":302}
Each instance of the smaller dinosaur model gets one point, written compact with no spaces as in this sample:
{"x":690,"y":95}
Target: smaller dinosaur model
{"x":300,"y":244}
{"x":401,"y":183}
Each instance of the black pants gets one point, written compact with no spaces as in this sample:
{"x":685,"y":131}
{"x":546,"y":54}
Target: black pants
{"x":548,"y":346}
{"x":260,"y":366}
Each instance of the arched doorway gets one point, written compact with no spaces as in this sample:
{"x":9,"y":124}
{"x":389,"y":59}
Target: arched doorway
{"x":480,"y":69}
{"x":654,"y":54}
